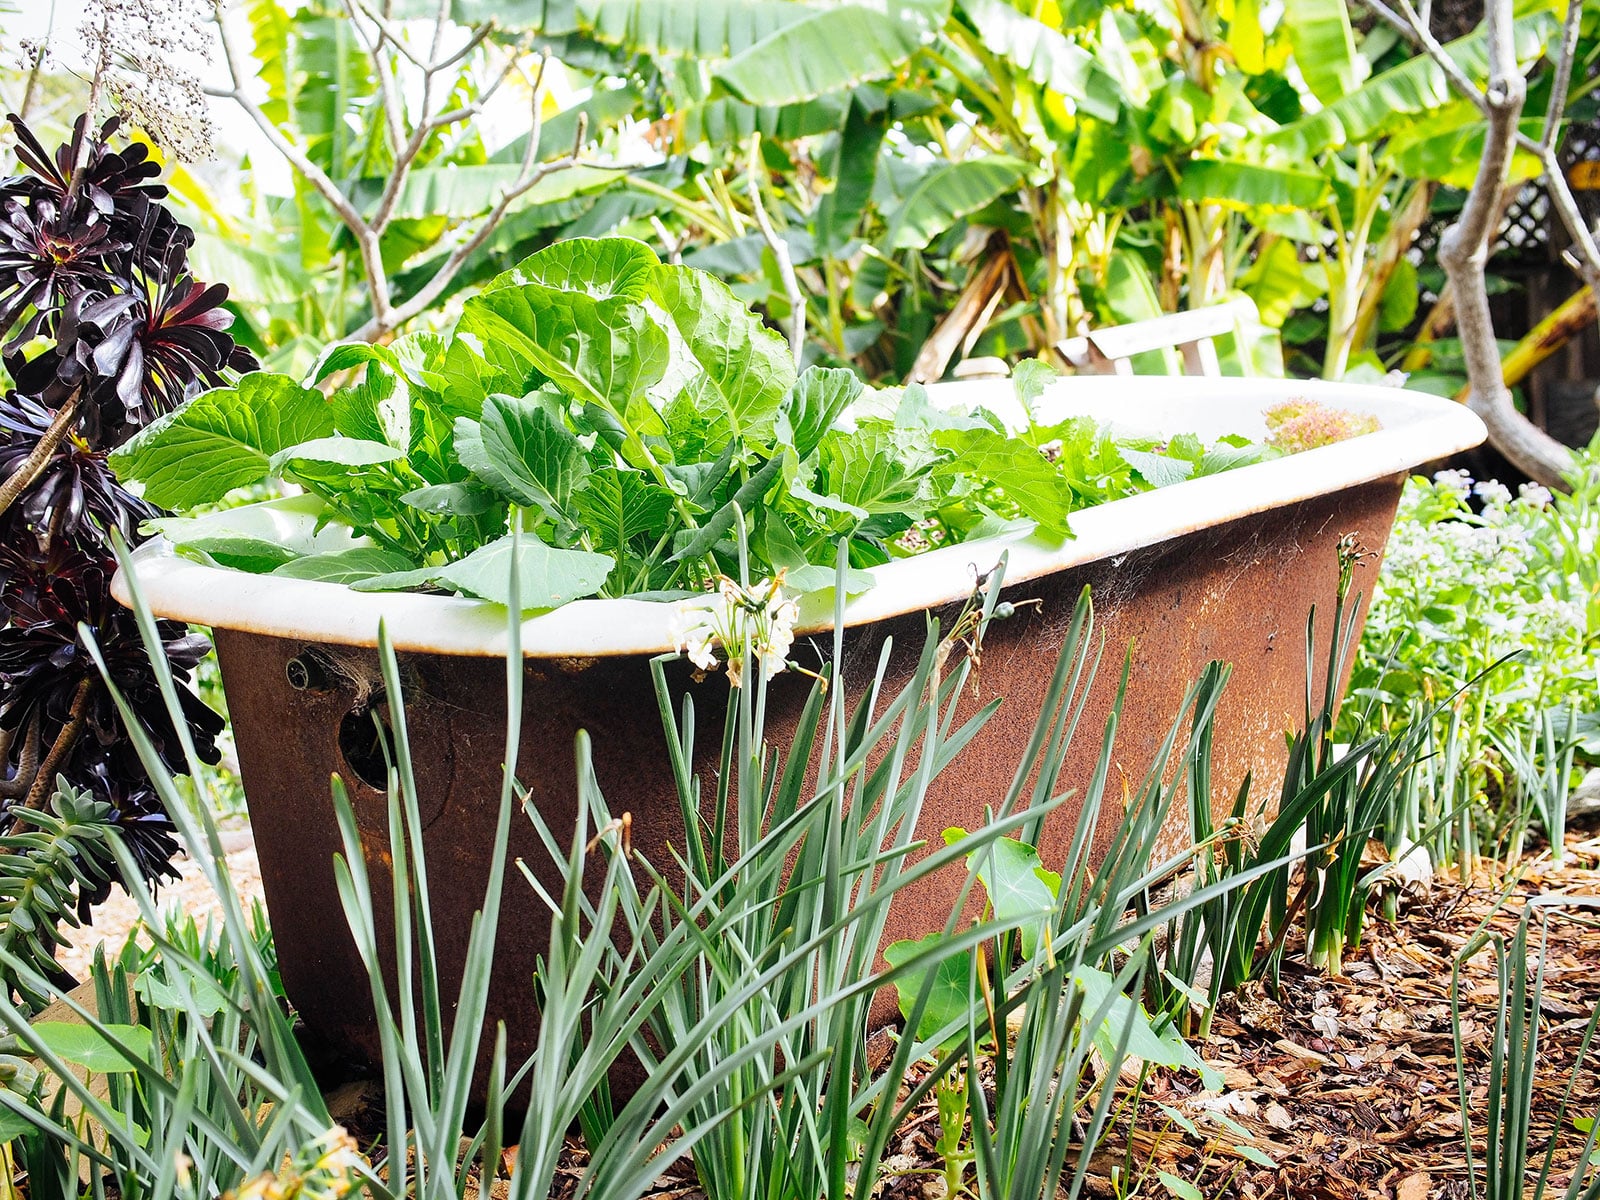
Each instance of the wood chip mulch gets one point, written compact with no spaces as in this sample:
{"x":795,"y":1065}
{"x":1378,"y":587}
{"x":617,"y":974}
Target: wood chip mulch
{"x":1345,"y":1085}
{"x":1349,"y":1083}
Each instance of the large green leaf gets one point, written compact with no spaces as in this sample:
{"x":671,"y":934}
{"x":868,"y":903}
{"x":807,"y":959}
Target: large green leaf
{"x":1248,"y":185}
{"x":1020,"y":889}
{"x":346,"y":566}
{"x":950,"y":995}
{"x":877,"y":470}
{"x":549,"y":577}
{"x":704,"y":29}
{"x":1392,"y":98}
{"x":1324,"y":47}
{"x":1025,"y":475}
{"x":725,"y":120}
{"x":87,"y":1047}
{"x":1046,"y":56}
{"x":819,"y":396}
{"x":459,"y":191}
{"x":293,"y":522}
{"x":946,"y":193}
{"x":524,"y":451}
{"x":604,"y":268}
{"x":221,"y":440}
{"x":602,"y":352}
{"x":336,"y":451}
{"x":854,"y":168}
{"x":748,"y":369}
{"x":827,"y":50}
{"x":616,"y":506}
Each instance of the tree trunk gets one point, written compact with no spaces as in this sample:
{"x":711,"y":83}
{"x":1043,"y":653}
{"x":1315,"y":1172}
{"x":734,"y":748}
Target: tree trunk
{"x":1464,"y":252}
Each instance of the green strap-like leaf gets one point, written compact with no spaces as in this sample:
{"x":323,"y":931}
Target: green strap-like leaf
{"x":705,"y":29}
{"x":1045,"y":55}
{"x":1247,"y":185}
{"x":854,"y":167}
{"x":1324,"y":47}
{"x":1416,"y":86}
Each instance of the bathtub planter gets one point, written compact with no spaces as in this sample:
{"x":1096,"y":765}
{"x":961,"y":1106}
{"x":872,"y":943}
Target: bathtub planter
{"x":1222,"y":567}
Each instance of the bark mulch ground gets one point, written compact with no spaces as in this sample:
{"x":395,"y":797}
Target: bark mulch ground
{"x":1348,"y":1084}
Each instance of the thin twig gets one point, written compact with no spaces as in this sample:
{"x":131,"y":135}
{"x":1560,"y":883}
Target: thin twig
{"x":1563,"y":77}
{"x":780,"y":251}
{"x":1414,"y":29}
{"x":393,"y":111}
{"x":314,"y":175}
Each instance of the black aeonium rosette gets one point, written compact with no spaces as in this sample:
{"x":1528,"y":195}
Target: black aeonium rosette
{"x":102,"y":328}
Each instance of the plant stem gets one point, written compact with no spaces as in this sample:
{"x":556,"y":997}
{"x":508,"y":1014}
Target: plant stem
{"x":35,"y":462}
{"x":59,"y":748}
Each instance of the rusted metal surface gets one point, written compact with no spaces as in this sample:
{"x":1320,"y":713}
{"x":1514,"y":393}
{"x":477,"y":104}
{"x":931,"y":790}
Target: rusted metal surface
{"x":1239,"y":592}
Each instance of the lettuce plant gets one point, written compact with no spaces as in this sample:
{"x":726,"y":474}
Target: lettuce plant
{"x":626,"y":409}
{"x":102,"y":328}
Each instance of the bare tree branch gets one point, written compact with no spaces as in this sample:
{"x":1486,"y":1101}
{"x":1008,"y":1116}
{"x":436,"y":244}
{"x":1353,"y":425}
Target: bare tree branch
{"x":387,"y":48}
{"x":1414,"y":28}
{"x":531,"y":174}
{"x":393,"y":111}
{"x":313,"y":174}
{"x":1563,"y":77}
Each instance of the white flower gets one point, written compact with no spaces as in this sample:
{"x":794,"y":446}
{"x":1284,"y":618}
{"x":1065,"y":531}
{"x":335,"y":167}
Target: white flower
{"x":743,"y":623}
{"x":1492,"y":491}
{"x":1535,"y":495}
{"x":1458,"y":482}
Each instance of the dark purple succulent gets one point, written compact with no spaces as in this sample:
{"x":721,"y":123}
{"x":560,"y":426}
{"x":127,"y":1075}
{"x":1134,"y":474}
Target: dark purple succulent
{"x":114,"y":185}
{"x":102,"y":329}
{"x":47,"y":595}
{"x":173,"y":344}
{"x":45,"y":261}
{"x":75,"y":491}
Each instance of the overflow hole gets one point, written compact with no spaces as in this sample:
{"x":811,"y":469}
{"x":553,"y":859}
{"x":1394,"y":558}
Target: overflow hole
{"x":366,"y":739}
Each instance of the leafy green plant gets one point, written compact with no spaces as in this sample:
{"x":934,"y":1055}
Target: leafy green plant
{"x":42,"y":872}
{"x":625,"y":409}
{"x":1475,"y":579}
{"x":1513,"y":1069}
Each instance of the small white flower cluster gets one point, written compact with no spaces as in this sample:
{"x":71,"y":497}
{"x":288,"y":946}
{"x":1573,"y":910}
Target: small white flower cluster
{"x":148,"y":54}
{"x":1458,"y":482}
{"x":743,"y":623}
{"x":1535,"y":495}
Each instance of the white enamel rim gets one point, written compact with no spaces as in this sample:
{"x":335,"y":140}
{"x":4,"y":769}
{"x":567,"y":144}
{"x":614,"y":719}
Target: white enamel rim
{"x":1416,"y":429}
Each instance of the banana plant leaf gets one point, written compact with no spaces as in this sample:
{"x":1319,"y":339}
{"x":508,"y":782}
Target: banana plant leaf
{"x":1324,"y":47}
{"x":1392,"y":99}
{"x":828,"y":50}
{"x":948,"y":192}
